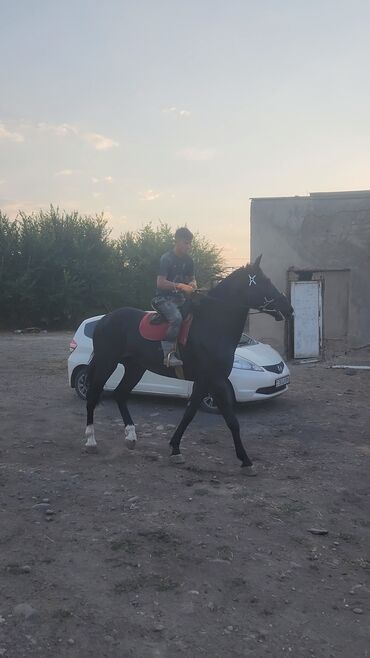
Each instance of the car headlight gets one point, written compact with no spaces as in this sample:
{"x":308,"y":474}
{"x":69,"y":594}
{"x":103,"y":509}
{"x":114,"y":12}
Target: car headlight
{"x":244,"y":364}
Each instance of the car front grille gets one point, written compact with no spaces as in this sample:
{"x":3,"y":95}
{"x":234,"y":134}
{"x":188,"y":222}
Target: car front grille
{"x":277,"y":368}
{"x":268,"y":390}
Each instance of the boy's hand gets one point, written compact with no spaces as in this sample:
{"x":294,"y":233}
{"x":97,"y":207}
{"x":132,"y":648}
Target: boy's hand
{"x":185,"y":288}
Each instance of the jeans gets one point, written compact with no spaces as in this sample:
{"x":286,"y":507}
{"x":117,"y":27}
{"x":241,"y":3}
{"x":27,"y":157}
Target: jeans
{"x":169,"y":308}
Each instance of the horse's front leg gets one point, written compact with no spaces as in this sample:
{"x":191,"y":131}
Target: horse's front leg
{"x":191,"y":409}
{"x":225,"y":404}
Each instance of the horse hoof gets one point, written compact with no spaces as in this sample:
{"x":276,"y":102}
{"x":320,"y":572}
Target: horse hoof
{"x":177,"y":459}
{"x":130,"y":444}
{"x":249,"y":471}
{"x":92,"y":450}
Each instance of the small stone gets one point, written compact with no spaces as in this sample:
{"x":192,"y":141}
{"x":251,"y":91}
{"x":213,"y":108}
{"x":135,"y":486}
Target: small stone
{"x":25,"y":569}
{"x":45,"y":500}
{"x":318,"y":531}
{"x":357,"y":611}
{"x":159,"y":428}
{"x":24,"y":610}
{"x":230,"y":628}
{"x":71,"y":641}
{"x":16,"y":569}
{"x":133,"y":499}
{"x":211,"y":606}
{"x":171,"y":426}
{"x":158,"y":628}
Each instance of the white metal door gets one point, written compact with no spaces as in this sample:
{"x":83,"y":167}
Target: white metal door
{"x":306,"y":302}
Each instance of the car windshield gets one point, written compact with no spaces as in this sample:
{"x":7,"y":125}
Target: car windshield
{"x":247,"y":340}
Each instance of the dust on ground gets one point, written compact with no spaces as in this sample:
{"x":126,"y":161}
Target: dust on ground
{"x":121,"y":554}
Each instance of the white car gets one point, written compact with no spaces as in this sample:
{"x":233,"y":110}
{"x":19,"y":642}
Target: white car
{"x":259,"y":372}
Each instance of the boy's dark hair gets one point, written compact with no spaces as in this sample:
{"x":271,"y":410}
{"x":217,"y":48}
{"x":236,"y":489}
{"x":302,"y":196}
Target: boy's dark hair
{"x":183,"y":233}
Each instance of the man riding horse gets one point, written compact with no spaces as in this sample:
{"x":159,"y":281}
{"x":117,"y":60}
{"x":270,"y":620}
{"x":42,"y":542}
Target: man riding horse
{"x":175,"y":280}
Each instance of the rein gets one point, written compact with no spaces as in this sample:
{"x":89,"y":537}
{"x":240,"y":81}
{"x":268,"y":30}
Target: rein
{"x":202,"y":293}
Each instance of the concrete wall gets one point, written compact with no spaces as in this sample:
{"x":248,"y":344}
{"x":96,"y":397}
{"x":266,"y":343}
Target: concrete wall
{"x":318,"y":232}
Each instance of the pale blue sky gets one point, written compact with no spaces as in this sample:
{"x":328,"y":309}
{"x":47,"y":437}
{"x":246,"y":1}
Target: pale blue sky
{"x":182,"y":110}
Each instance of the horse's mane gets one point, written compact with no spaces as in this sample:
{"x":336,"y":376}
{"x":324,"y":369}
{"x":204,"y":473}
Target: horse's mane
{"x":229,"y":280}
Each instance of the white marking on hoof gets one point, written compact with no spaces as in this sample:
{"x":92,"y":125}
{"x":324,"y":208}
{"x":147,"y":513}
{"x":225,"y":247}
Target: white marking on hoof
{"x":177,"y":459}
{"x":91,"y":449}
{"x":130,"y":436}
{"x":249,"y":471}
{"x":90,"y":445}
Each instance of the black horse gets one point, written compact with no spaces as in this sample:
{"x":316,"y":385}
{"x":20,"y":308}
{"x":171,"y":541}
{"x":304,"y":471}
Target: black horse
{"x":218,"y":322}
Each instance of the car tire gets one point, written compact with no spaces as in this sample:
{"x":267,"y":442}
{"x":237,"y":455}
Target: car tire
{"x":208,"y":404}
{"x":80,"y":382}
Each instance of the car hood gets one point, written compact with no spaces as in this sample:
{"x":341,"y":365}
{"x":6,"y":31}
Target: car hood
{"x":261,"y":354}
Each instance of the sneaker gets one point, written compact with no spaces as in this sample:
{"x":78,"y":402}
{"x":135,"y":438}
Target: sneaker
{"x":172,"y":361}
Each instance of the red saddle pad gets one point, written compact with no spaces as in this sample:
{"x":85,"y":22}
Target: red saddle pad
{"x":158,"y":331}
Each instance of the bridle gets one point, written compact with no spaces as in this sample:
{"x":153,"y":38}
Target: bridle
{"x":264,"y":308}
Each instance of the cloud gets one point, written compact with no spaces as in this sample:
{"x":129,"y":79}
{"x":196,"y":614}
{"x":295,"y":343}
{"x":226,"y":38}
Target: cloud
{"x":100,"y":142}
{"x":150,"y":195}
{"x":104,"y":179}
{"x":67,"y":172}
{"x":12,"y":208}
{"x":196,"y":154}
{"x":175,"y":111}
{"x":11,"y":136}
{"x":60,"y":130}
{"x":96,"y":195}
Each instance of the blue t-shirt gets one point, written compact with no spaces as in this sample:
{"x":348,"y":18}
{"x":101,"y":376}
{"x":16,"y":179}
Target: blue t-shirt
{"x":179,"y":269}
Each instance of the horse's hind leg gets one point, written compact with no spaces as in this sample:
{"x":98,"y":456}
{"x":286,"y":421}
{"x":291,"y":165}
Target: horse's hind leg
{"x":191,"y":409}
{"x":97,"y":377}
{"x":224,"y":402}
{"x":133,"y":374}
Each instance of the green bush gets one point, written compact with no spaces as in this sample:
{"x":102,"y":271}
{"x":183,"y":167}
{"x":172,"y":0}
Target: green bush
{"x":57,"y":268}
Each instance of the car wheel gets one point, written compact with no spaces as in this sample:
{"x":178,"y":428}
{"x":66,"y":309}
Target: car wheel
{"x":81,"y":382}
{"x":209,"y":405}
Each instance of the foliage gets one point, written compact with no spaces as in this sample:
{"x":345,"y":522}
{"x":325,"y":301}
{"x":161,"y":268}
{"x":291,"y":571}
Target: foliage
{"x":141,"y":251}
{"x":57,"y":268}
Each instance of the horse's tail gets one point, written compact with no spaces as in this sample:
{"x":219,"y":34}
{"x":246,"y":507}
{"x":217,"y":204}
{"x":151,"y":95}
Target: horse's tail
{"x":90,"y":370}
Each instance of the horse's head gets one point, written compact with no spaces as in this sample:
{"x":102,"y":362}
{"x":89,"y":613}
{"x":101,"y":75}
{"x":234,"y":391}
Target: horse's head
{"x":260,"y":293}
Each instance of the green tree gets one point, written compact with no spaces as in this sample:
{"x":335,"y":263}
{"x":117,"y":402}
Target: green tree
{"x":66,"y":266}
{"x":140,"y":252}
{"x":57,"y":268}
{"x":9,"y":265}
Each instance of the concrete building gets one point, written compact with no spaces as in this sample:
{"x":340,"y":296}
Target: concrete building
{"x":315,"y":248}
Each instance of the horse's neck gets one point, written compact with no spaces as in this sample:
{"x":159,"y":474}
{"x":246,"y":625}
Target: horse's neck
{"x":227,"y":317}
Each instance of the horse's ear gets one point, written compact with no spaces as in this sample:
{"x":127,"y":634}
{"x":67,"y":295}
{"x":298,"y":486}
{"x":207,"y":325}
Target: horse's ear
{"x":257,"y":262}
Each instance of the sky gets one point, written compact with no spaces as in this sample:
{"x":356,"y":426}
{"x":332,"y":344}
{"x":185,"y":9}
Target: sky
{"x":181,"y":111}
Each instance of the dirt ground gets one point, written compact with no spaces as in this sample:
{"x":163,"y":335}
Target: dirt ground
{"x":121,"y":554}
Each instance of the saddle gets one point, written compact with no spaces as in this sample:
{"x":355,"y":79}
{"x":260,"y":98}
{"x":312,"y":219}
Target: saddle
{"x":153,"y":326}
